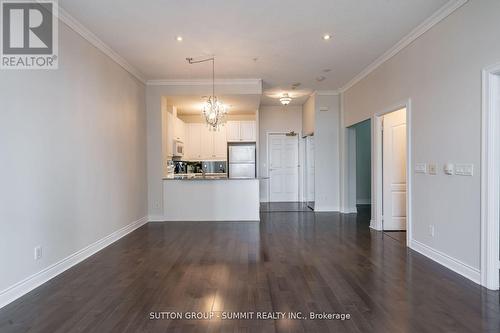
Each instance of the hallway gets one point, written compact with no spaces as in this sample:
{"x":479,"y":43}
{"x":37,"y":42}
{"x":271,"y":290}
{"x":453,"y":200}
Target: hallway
{"x":291,"y":261}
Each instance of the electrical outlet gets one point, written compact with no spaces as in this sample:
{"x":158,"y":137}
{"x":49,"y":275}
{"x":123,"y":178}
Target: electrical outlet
{"x":38,"y":253}
{"x":157,"y":205}
{"x":431,"y":230}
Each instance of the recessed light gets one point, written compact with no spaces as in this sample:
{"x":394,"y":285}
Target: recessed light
{"x":327,"y":36}
{"x":327,"y":70}
{"x":178,"y":38}
{"x":320,"y":78}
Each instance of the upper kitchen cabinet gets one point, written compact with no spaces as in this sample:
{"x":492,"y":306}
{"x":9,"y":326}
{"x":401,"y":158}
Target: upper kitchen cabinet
{"x":204,"y":145}
{"x":220,"y":144}
{"x":194,"y":141}
{"x":241,"y":131}
{"x":179,"y":130}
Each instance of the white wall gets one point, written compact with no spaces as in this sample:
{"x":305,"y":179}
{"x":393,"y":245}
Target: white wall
{"x":326,"y":154}
{"x":73,"y":157}
{"x":278,"y":119}
{"x":441,"y":73}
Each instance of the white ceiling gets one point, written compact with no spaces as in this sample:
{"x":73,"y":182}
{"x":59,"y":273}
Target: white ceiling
{"x":278,"y":41}
{"x":237,"y":104}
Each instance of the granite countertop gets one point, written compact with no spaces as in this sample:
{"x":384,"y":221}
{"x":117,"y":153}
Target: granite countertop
{"x":208,"y":176}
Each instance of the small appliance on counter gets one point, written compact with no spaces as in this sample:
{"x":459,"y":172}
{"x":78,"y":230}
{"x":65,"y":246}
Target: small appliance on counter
{"x":170,"y":169}
{"x":241,"y":158}
{"x":183,"y":167}
{"x":180,"y":167}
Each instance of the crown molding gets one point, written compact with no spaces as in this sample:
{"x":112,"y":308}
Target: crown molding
{"x":425,"y":26}
{"x":204,"y":82}
{"x":325,"y":93}
{"x":79,"y":28}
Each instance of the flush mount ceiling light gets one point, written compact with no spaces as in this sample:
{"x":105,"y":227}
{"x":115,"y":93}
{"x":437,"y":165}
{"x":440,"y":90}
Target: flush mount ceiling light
{"x":285,"y":99}
{"x":327,"y":36}
{"x":178,"y":38}
{"x":213,"y":110}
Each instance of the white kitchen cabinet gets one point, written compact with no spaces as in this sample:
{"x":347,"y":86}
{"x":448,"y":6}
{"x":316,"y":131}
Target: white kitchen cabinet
{"x":247,"y":131}
{"x":220,"y":144}
{"x":233,"y":130}
{"x":203,"y":144}
{"x":207,"y":143}
{"x":179,"y":130}
{"x":193,"y":143}
{"x":241,"y":131}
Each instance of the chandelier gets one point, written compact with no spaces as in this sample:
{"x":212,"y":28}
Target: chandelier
{"x":214,"y":111}
{"x":285,"y":99}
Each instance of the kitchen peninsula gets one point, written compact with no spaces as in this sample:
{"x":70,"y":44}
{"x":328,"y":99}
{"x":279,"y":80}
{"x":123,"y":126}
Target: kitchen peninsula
{"x":210,"y":198}
{"x":209,"y":175}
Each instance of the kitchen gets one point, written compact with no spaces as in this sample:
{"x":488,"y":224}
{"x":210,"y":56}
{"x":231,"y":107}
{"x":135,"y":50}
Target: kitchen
{"x":209,"y":172}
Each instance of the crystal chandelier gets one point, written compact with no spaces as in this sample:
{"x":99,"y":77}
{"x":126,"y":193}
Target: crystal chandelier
{"x":213,"y":111}
{"x":285,"y":99}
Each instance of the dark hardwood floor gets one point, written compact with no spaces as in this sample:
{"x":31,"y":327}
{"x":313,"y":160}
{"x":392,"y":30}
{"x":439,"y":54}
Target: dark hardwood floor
{"x":291,"y":261}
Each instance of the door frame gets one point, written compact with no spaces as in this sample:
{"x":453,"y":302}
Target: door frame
{"x":377,"y":169}
{"x":490,"y":178}
{"x":299,"y":165}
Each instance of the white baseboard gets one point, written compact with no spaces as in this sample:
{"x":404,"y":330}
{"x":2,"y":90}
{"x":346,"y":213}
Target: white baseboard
{"x":156,"y":218}
{"x":349,"y":210}
{"x":21,"y":288}
{"x":373,"y":225}
{"x":455,"y":265}
{"x":319,"y":209}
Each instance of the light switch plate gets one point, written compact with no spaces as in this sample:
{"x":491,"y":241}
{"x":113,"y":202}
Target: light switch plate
{"x":464,"y":169}
{"x":420,"y":168}
{"x":432,"y":169}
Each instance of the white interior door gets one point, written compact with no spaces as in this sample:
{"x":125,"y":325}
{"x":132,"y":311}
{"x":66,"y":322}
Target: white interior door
{"x":283,"y":167}
{"x":394,"y":170}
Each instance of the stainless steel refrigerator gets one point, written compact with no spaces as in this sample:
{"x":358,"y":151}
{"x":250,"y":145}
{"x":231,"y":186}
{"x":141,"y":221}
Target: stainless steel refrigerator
{"x":241,"y":158}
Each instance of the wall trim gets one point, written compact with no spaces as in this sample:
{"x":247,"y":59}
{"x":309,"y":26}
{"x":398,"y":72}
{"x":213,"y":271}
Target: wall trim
{"x":80,"y":29}
{"x":203,"y":82}
{"x":425,"y":26}
{"x":374,"y":225}
{"x":490,"y":177}
{"x":325,"y":93}
{"x":156,"y":218}
{"x":21,"y":288}
{"x":349,"y":210}
{"x":320,"y":209}
{"x":455,"y":265}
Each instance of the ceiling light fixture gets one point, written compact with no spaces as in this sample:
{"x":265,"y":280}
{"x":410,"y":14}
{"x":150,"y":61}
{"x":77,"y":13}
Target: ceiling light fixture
{"x":179,"y":38}
{"x":213,"y":110}
{"x":327,"y":36}
{"x":285,"y":99}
